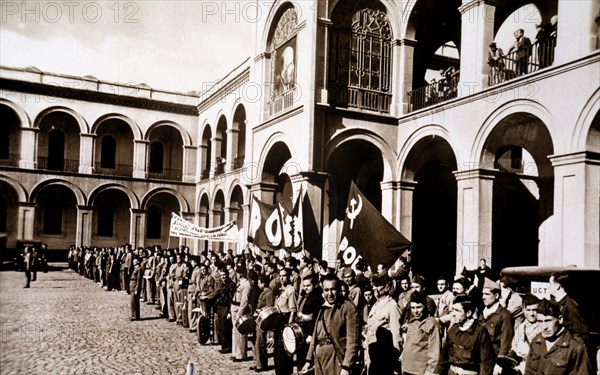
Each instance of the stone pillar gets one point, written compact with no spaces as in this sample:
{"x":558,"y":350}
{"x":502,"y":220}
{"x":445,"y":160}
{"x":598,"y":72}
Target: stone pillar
{"x":322,"y":72}
{"x":140,"y":152}
{"x":232,"y":136}
{"x":26,"y":222}
{"x":313,"y":190}
{"x":215,"y":142}
{"x":404,"y":69}
{"x":474,"y":217}
{"x":575,"y":230}
{"x":231,"y":213}
{"x":407,"y":190}
{"x":86,"y":155}
{"x":84,"y":225}
{"x":577,"y":34}
{"x":28,"y":159}
{"x":264,"y":191}
{"x":189,"y":163}
{"x":388,"y":201}
{"x":137,"y":227}
{"x":477,"y":32}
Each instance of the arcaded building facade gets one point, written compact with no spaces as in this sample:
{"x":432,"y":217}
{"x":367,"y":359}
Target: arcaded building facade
{"x":480,"y":161}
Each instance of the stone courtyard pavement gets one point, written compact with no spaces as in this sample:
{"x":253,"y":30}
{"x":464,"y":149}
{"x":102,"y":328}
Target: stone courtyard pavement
{"x":66,"y":324}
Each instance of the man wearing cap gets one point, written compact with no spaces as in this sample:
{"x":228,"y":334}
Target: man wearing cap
{"x":496,"y":63}
{"x":193,"y":293}
{"x":496,"y":319}
{"x":382,"y":342}
{"x":422,"y":339}
{"x":336,"y":337}
{"x":287,"y":303}
{"x":468,"y":349}
{"x":309,"y":304}
{"x":354,"y":292}
{"x":555,"y":350}
{"x":135,"y":288}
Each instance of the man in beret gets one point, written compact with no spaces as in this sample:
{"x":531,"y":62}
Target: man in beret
{"x":336,"y":338}
{"x":468,"y":349}
{"x":555,"y":350}
{"x":422,"y":339}
{"x":383,"y":341}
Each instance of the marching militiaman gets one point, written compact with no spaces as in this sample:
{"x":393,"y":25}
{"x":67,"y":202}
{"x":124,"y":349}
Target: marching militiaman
{"x":135,"y":288}
{"x":336,"y":338}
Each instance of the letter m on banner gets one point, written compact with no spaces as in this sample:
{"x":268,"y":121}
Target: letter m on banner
{"x":368,"y":234}
{"x":266,"y":227}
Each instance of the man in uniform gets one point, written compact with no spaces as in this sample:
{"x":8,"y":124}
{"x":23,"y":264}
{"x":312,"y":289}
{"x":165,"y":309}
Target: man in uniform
{"x":135,"y":288}
{"x":192,"y":294}
{"x":240,"y":307}
{"x":336,"y":338}
{"x":468,"y":349}
{"x":555,"y":350}
{"x":265,"y":299}
{"x":309,"y":304}
{"x":222,"y":323}
{"x":205,"y":288}
{"x":28,"y":264}
{"x":383,"y":341}
{"x":496,"y":319}
{"x":287,"y":303}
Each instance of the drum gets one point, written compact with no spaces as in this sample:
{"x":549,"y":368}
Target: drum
{"x":293,"y":338}
{"x":245,"y":324}
{"x":268,"y":318}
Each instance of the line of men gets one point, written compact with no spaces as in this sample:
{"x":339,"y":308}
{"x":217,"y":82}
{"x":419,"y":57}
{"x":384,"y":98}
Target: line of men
{"x":353,"y":321}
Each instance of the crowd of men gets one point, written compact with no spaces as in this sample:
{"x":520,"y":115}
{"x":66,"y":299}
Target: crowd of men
{"x":342,"y":320}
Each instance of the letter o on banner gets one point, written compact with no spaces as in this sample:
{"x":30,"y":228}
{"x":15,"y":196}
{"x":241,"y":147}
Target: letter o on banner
{"x":349,"y":255}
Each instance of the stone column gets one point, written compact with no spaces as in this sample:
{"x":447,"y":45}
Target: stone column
{"x":404,"y":69}
{"x":388,"y":201}
{"x":407,"y":190}
{"x":25,"y":226}
{"x":84,"y":225}
{"x":86,"y":154}
{"x":474,"y":217}
{"x":232,"y":134}
{"x":137,"y":227}
{"x":140,"y":152}
{"x":28,"y":159}
{"x":189,"y":163}
{"x":577,"y":34}
{"x":575,"y":225}
{"x":322,"y":72}
{"x":215,"y":142}
{"x":477,"y":32}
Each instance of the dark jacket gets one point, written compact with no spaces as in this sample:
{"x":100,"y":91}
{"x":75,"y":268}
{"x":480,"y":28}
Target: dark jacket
{"x":567,"y":356}
{"x":135,"y":282}
{"x":500,"y":328}
{"x":471,"y":349}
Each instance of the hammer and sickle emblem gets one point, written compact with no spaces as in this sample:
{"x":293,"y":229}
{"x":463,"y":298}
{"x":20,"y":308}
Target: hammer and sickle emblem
{"x":353,"y":213}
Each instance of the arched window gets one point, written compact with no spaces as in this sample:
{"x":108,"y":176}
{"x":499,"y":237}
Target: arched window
{"x":4,"y":142}
{"x":153,"y":228}
{"x":3,"y":214}
{"x":108,"y":153}
{"x":361,"y":61}
{"x":53,"y":213}
{"x":56,"y":150}
{"x":156,"y":157}
{"x":106,"y":217}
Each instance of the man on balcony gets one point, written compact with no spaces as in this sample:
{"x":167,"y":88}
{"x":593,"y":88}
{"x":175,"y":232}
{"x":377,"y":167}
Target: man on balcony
{"x":496,"y":64}
{"x":522,"y":49}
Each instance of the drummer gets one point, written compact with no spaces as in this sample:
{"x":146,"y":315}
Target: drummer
{"x":288,"y":305}
{"x":311,"y":300}
{"x":265,"y":299}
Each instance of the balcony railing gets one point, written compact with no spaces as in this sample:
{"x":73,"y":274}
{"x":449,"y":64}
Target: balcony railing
{"x":166,"y":174}
{"x":11,"y":161}
{"x":204,"y":174}
{"x":518,"y":63}
{"x":282,"y":102}
{"x":64,"y":165}
{"x":238,"y":162}
{"x":118,"y":170}
{"x":434,"y":93}
{"x":361,"y":98}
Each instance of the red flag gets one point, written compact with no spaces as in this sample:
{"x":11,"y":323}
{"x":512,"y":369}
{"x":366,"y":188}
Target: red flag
{"x":293,"y":226}
{"x":266,"y":226}
{"x":368,"y":234}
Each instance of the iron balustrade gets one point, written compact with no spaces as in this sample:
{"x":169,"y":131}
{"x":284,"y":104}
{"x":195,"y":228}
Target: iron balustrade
{"x":516,"y":64}
{"x":282,"y":102}
{"x":434,"y":93}
{"x":118,"y":170}
{"x":238,"y":162}
{"x":61,"y":165}
{"x":360,"y":98}
{"x":167,"y":174}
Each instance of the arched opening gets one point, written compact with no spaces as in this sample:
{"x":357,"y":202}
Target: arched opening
{"x":111,"y":218}
{"x":166,"y":153}
{"x":160,"y":207}
{"x":56,"y":216}
{"x":523,"y":189}
{"x":360,"y":58}
{"x":156,"y":157}
{"x":431,"y":164}
{"x":218,"y":213}
{"x":58,"y":142}
{"x":206,"y":152}
{"x":236,"y":205}
{"x":276,"y":158}
{"x":204,"y":219}
{"x":593,"y":137}
{"x":9,"y":212}
{"x":108,"y":152}
{"x":10,"y":137}
{"x":221,"y":145}
{"x":56,"y":150}
{"x":239,"y":137}
{"x":115,"y":149}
